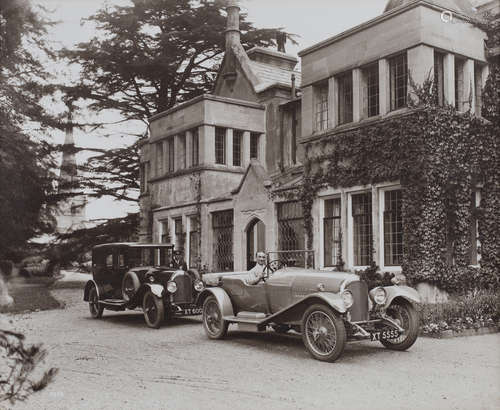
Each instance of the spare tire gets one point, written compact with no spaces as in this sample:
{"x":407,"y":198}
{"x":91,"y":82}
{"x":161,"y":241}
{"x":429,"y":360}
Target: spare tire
{"x":130,"y":285}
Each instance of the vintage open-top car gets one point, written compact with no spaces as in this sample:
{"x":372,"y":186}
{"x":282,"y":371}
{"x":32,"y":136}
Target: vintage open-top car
{"x":327,"y":308}
{"x":131,"y":275}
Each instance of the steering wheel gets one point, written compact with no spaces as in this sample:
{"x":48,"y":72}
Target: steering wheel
{"x":271,"y":267}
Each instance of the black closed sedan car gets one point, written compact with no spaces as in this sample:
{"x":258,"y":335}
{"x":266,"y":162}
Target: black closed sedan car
{"x":135,"y":275}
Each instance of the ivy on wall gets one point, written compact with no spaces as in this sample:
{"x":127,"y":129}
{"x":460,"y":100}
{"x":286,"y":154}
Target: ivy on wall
{"x":440,"y":156}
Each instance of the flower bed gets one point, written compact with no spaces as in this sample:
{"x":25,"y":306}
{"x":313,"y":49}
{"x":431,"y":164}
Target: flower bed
{"x":477,"y":312}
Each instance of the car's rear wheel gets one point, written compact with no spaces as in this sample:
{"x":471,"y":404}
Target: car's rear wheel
{"x":130,"y":285}
{"x":154,"y":310}
{"x":406,"y":316}
{"x":95,"y":308}
{"x":213,"y":322}
{"x":323,"y":333}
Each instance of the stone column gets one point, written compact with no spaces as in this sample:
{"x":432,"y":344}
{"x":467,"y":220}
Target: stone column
{"x":449,"y":78}
{"x":189,"y":149}
{"x":376,"y":226}
{"x":357,"y":95}
{"x":384,"y":86}
{"x":245,"y":149}
{"x":229,"y":146}
{"x":333,"y":97}
{"x":207,"y":144}
{"x":262,"y":150}
{"x":469,"y":91}
{"x":420,"y":65}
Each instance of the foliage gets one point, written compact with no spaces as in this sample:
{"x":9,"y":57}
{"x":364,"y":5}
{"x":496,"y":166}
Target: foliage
{"x":17,"y":367}
{"x":153,"y":54}
{"x":471,"y":310}
{"x":25,"y":162}
{"x":147,"y":57}
{"x":72,"y":246}
{"x":439,"y":156}
{"x":374,"y":278}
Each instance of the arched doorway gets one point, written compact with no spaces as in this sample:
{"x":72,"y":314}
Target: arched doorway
{"x":256,"y":240}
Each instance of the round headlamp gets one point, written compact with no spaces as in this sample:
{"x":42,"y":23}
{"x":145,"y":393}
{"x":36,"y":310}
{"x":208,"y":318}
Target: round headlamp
{"x":151,"y":278}
{"x":347,"y":298}
{"x":172,"y":287}
{"x":379,"y":296}
{"x":198,"y":285}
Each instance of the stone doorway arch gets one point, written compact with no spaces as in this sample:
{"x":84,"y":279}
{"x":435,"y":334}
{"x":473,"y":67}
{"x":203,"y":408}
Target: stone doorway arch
{"x":256,"y":240}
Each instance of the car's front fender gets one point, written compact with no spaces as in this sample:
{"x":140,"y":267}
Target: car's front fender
{"x":225,"y":304}
{"x":155,"y":288}
{"x":294,"y":312}
{"x":405,"y":292}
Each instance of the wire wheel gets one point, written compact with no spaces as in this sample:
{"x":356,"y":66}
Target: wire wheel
{"x":406,"y":316}
{"x":154,"y":310}
{"x":213,"y":322}
{"x":323,"y":333}
{"x":95,"y":309}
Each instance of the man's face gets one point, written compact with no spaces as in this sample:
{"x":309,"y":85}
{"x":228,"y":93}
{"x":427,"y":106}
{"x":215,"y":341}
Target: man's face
{"x":261,"y":258}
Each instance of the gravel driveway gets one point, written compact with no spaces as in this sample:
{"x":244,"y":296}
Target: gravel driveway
{"x":118,"y":363}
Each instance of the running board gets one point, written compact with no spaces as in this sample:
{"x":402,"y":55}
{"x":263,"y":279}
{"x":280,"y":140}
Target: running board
{"x":246,"y":324}
{"x":114,"y":304}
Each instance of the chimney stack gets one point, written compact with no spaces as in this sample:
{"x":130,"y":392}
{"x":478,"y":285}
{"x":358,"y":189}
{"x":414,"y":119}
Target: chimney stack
{"x":233,"y":23}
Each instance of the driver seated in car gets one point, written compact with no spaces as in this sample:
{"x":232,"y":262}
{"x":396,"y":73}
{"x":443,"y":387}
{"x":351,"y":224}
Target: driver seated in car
{"x":257,"y":272}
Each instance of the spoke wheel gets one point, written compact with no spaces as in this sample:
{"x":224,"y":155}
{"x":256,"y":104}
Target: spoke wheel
{"x":95,"y":309}
{"x":406,"y":316}
{"x":154,"y":310}
{"x":213,"y":322}
{"x":130,"y":285}
{"x":323,"y":333}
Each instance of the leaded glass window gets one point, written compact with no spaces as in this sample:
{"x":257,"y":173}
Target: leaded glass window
{"x":399,"y":81}
{"x":393,"y":228}
{"x":332,"y":234}
{"x":362,"y":228}
{"x":222,"y":225}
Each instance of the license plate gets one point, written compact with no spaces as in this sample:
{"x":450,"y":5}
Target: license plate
{"x":385,"y":335}
{"x":191,"y":311}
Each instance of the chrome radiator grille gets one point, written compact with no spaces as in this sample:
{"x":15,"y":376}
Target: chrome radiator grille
{"x":359,"y":311}
{"x":184,"y":293}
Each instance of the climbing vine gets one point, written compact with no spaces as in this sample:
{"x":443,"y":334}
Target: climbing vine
{"x":441,"y":157}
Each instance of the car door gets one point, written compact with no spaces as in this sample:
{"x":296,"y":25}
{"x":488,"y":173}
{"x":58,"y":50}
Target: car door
{"x":279,"y":290}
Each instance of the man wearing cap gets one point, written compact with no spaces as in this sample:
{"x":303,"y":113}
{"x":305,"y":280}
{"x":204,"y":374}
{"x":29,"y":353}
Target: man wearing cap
{"x":178,"y":261}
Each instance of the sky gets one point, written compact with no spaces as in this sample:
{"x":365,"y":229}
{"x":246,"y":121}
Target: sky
{"x":312,"y":21}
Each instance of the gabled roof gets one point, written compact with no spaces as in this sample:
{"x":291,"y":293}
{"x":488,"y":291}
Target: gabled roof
{"x":269,"y":75}
{"x":259,"y":170}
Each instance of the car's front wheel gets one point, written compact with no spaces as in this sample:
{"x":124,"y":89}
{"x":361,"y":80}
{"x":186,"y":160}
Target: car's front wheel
{"x":406,"y":316}
{"x":323,"y":333}
{"x":95,"y":308}
{"x":154,"y":310}
{"x":213,"y":322}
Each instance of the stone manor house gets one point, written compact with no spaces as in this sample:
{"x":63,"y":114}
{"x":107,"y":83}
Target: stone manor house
{"x":215,"y":170}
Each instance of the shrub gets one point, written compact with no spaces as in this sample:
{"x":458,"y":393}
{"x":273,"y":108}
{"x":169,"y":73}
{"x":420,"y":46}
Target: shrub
{"x":474,"y":309}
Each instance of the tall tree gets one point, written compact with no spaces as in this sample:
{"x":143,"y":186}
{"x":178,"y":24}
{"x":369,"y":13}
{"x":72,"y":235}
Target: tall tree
{"x":25,"y":161}
{"x":146,"y":58}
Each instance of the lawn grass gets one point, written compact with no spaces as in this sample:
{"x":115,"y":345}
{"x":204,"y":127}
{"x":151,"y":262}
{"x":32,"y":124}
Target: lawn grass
{"x":30,"y":297}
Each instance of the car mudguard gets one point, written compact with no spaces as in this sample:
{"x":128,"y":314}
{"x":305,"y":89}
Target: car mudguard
{"x":405,"y":292}
{"x":101,"y":289}
{"x":294,"y":312}
{"x":222,"y":297}
{"x":155,"y":288}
